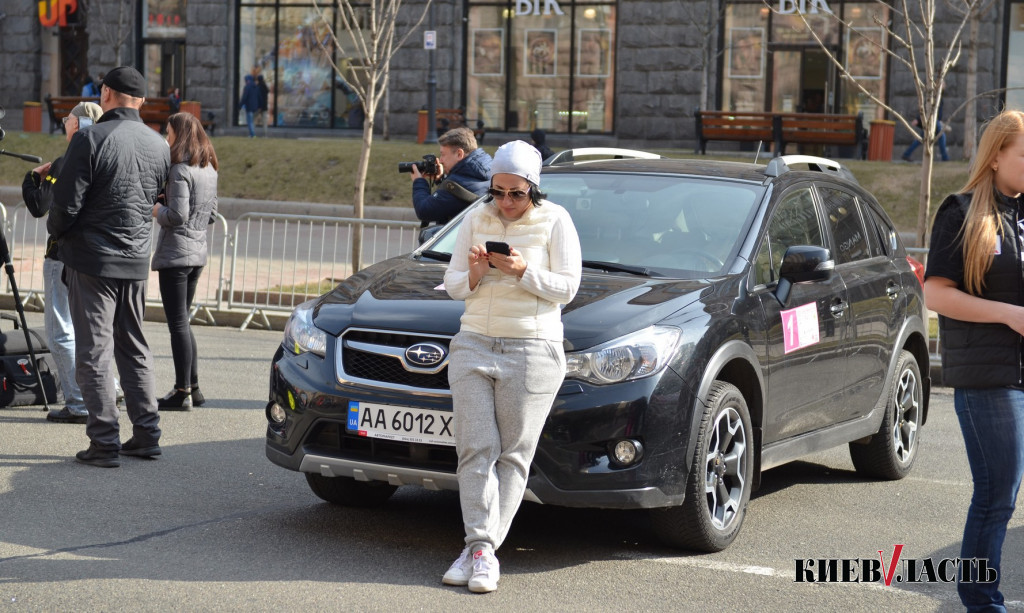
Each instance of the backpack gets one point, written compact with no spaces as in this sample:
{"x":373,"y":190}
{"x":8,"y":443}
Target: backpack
{"x":18,"y":383}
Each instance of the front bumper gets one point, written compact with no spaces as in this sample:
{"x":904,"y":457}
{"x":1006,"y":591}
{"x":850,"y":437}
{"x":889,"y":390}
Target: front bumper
{"x":572,"y":466}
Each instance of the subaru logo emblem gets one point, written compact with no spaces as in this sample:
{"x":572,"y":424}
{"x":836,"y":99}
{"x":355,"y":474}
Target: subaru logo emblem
{"x":425,"y":355}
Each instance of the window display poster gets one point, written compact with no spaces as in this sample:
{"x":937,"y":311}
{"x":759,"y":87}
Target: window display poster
{"x":746,"y":53}
{"x":864,"y":53}
{"x":593,"y":59}
{"x":540,"y":48}
{"x":488,"y":52}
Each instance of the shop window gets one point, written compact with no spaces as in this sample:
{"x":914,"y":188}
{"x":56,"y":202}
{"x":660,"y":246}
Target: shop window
{"x":865,"y":58}
{"x":163,"y":27}
{"x":746,"y":46}
{"x":547,"y":65}
{"x":289,"y":45}
{"x":1015,"y":58}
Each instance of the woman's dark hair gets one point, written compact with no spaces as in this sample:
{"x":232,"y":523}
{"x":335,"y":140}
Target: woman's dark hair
{"x":191,"y":144}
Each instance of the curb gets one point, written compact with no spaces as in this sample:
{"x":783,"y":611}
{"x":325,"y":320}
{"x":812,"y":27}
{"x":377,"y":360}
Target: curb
{"x":224,"y":318}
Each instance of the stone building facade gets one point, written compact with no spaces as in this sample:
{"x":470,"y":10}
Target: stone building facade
{"x":615,"y":72}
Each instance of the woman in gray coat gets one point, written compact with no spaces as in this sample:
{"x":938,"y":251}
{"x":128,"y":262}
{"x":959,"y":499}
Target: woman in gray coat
{"x":189,"y":205}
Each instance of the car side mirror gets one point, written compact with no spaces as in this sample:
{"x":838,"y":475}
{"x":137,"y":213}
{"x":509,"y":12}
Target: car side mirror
{"x":800,"y":264}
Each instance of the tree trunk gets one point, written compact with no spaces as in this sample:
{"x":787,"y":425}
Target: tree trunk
{"x":970,"y":132}
{"x":924,"y":204}
{"x":361,"y":172}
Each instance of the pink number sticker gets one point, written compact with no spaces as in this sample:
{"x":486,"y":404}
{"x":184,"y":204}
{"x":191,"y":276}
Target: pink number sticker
{"x":800,"y":327}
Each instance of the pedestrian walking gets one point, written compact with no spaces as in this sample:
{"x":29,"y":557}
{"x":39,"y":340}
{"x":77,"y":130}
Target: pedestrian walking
{"x":250,"y":103}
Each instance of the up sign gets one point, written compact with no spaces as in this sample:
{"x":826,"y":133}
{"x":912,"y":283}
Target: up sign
{"x":532,"y":7}
{"x":788,"y":7}
{"x":58,"y":12}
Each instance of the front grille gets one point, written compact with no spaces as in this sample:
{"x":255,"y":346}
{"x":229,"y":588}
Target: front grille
{"x":388,"y":370}
{"x":329,"y":438}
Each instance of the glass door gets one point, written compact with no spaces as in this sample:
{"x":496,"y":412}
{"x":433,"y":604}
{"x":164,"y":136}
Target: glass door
{"x":803,"y":81}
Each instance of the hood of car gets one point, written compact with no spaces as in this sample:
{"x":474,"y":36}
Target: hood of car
{"x":408,"y":295}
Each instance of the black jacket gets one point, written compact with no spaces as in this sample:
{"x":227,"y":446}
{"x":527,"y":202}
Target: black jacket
{"x":37,"y":192}
{"x":979,"y":355}
{"x":104,"y":195}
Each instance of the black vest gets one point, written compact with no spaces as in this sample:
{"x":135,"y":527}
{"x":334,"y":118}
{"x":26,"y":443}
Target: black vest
{"x":977,"y":355}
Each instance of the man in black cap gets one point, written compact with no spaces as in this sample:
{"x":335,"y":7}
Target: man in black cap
{"x":102,"y":204}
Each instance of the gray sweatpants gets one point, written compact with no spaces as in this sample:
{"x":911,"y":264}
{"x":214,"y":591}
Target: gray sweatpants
{"x":107,"y":316}
{"x":502,"y":390}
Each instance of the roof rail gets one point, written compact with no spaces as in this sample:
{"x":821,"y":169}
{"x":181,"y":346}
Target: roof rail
{"x":781,"y":165}
{"x":570,"y":155}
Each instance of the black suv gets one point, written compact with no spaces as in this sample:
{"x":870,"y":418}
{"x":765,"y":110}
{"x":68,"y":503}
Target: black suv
{"x":731,"y":317}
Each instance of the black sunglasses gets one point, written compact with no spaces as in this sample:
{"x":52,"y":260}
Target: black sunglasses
{"x":516,"y":195}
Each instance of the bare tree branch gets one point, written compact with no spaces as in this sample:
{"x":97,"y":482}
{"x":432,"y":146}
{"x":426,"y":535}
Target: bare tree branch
{"x":927,"y":68}
{"x":370,"y":29}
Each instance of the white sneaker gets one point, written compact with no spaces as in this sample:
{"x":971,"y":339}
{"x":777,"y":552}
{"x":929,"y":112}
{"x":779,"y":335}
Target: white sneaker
{"x":485,"y":572}
{"x":460,"y":571}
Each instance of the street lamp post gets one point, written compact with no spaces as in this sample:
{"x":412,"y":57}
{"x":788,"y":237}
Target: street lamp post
{"x":431,"y":43}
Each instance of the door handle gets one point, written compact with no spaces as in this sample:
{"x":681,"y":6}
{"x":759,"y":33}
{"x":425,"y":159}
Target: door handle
{"x":838,"y":308}
{"x":892,"y":290}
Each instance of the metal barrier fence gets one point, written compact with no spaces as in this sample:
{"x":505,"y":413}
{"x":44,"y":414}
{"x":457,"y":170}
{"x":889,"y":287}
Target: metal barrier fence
{"x":270,"y":262}
{"x":280,"y":261}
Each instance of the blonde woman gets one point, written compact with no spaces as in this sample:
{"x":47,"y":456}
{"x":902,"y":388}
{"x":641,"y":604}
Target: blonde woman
{"x":974,"y":282}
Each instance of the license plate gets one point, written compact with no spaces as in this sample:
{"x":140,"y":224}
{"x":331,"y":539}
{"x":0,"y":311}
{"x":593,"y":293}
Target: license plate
{"x":408,"y":424}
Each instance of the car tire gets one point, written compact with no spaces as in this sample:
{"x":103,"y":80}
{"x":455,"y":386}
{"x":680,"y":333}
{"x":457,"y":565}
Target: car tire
{"x":348,"y":492}
{"x":720,"y":477}
{"x":891,"y":452}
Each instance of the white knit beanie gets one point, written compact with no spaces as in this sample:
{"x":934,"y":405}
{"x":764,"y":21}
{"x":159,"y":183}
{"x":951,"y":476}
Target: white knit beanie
{"x":88,"y":109}
{"x":517,"y":158}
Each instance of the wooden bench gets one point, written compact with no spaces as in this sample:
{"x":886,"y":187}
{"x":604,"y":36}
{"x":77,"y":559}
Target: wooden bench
{"x":819,"y":129}
{"x":780,"y":129}
{"x":749,"y":126}
{"x":154,"y":112}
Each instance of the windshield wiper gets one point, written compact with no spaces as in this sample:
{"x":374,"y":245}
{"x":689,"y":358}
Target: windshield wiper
{"x":613,"y":267}
{"x":437,"y":255}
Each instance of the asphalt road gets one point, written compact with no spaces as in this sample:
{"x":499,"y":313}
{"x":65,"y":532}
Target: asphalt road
{"x":213,"y":525}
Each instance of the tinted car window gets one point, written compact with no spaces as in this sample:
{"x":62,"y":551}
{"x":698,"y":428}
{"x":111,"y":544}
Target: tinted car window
{"x":851,"y":242}
{"x":674,"y":226}
{"x":882,"y":229}
{"x":794,"y":222}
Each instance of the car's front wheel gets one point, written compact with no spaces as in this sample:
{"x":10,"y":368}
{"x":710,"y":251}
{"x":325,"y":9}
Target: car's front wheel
{"x":891,"y":452}
{"x":348,"y":492}
{"x":720,"y":477}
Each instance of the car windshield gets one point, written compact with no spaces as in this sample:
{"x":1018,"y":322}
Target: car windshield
{"x":661,"y":225}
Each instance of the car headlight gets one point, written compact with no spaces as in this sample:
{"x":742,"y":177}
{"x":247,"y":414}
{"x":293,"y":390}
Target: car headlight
{"x":300,"y":335}
{"x":634,"y":356}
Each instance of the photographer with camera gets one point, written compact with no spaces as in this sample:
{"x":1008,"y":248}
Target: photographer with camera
{"x":461,"y":173}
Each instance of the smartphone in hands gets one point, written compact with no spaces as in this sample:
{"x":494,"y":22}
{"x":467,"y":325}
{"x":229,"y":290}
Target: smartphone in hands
{"x":497,"y":247}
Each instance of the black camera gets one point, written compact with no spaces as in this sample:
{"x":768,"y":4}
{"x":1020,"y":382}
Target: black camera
{"x":428,"y":166}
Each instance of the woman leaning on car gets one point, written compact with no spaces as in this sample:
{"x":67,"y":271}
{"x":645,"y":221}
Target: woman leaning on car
{"x":973,"y":281}
{"x":507,"y":361}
